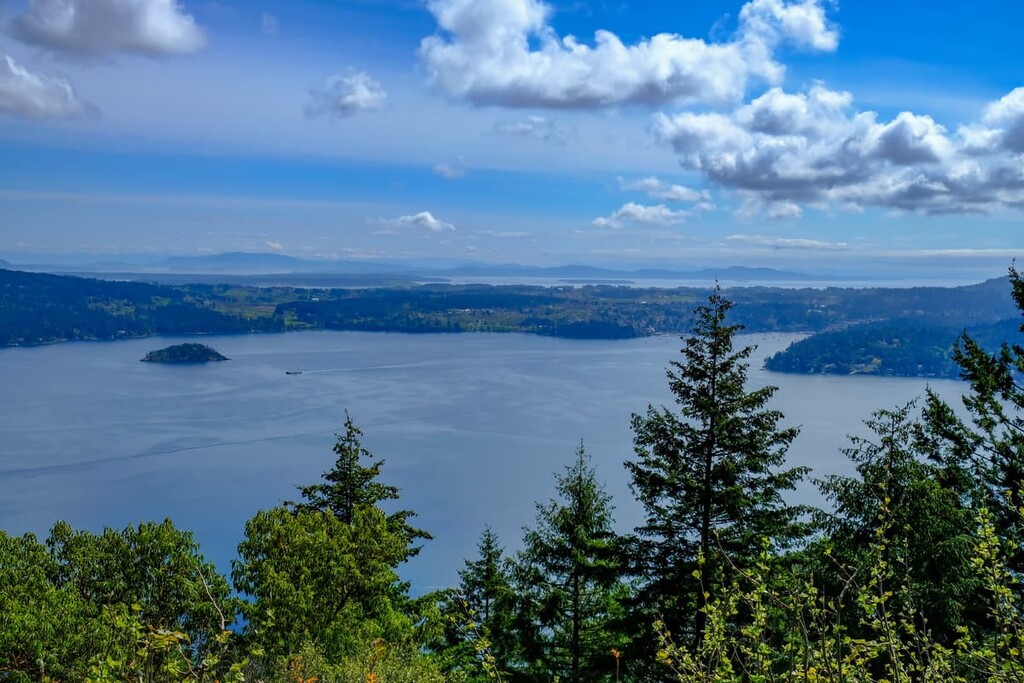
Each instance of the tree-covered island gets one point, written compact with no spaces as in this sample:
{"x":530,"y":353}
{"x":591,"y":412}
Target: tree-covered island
{"x":185,"y":353}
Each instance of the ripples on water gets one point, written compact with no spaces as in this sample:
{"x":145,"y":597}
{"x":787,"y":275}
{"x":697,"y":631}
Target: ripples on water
{"x":471,"y":426}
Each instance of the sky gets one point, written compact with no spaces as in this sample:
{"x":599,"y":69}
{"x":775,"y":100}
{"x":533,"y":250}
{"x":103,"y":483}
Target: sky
{"x":808,"y":134}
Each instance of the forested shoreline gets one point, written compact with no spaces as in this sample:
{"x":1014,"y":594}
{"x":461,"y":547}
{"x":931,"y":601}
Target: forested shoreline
{"x":899,"y":332}
{"x":912,"y":574}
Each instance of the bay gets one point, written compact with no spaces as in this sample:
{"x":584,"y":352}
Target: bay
{"x":472,"y":426}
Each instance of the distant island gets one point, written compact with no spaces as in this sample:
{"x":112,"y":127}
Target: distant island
{"x":184,"y":353}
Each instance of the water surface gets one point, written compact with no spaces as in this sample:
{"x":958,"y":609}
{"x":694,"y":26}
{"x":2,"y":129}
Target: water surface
{"x":471,"y":426}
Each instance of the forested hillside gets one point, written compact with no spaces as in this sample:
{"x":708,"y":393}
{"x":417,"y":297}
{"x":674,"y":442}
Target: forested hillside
{"x":879,"y":331}
{"x":36,"y":308}
{"x":913,"y":573}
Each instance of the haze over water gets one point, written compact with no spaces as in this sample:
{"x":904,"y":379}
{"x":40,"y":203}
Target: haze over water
{"x":471,"y":425}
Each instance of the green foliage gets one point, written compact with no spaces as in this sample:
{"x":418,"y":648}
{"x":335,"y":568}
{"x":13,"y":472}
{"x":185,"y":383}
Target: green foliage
{"x":137,"y":604}
{"x":350,"y":484}
{"x":813,"y":644}
{"x":927,"y":519}
{"x":372,"y":662}
{"x":44,"y":630}
{"x":313,"y":579}
{"x":154,"y":566}
{"x":570,"y":579}
{"x":986,"y":456}
{"x":480,"y":618}
{"x":708,"y":476}
{"x":322,"y":573}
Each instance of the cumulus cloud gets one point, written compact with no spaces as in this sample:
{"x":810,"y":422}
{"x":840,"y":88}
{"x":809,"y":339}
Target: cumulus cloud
{"x":539,"y":127}
{"x":785,"y":150}
{"x":505,"y":52}
{"x":780,"y":243}
{"x":154,"y":28}
{"x":345,"y":94}
{"x":658,"y":189}
{"x":641,"y":214}
{"x":28,"y":95}
{"x":1004,"y":121}
{"x":423,"y":220}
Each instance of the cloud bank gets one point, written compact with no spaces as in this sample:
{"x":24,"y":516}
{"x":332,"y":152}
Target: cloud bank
{"x":505,"y":52}
{"x":786,"y":150}
{"x":153,"y":28}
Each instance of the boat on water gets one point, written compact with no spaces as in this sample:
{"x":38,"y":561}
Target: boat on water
{"x":293,"y":372}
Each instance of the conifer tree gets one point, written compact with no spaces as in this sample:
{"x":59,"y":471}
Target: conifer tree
{"x":983,"y":457}
{"x":481,"y":616}
{"x":350,"y":484}
{"x":709,"y":474}
{"x":926,"y":522}
{"x":322,"y":572}
{"x":571,"y":578}
{"x":485,"y":583}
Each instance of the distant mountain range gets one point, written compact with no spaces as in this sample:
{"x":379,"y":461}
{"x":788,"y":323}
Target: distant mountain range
{"x":248,"y":264}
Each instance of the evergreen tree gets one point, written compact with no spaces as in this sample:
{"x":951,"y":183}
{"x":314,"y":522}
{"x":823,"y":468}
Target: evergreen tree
{"x":481,"y":615}
{"x":571,"y":576}
{"x":984,"y":460}
{"x":708,"y":475}
{"x":929,"y":530}
{"x":322,"y":573}
{"x":350,"y":484}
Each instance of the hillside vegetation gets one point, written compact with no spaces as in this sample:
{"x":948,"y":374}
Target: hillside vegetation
{"x":872,"y":330}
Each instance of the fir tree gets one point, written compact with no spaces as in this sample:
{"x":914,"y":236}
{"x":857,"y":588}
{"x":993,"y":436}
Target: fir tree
{"x":350,"y":484}
{"x":571,"y":578}
{"x":479,"y":638}
{"x":984,"y":460}
{"x":708,"y":475}
{"x":927,"y":526}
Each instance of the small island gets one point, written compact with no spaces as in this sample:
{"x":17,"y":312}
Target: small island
{"x":184,"y":353}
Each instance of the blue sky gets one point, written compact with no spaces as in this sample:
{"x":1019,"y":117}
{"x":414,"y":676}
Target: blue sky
{"x":794,"y":133}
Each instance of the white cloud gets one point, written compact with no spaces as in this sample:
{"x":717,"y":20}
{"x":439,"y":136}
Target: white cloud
{"x":802,"y":23}
{"x":343,"y":95}
{"x":269,"y":24}
{"x":423,"y":220}
{"x":538,"y":127}
{"x":450,"y":171}
{"x":640,"y":214}
{"x":273,"y":246}
{"x":28,"y":95}
{"x":654,"y":187}
{"x":780,"y":243}
{"x":784,"y":151}
{"x":155,"y":28}
{"x":484,"y":52}
{"x":1006,"y":116}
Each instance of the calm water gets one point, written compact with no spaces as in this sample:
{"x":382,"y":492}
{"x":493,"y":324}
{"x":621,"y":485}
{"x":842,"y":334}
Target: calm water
{"x":471,"y":426}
